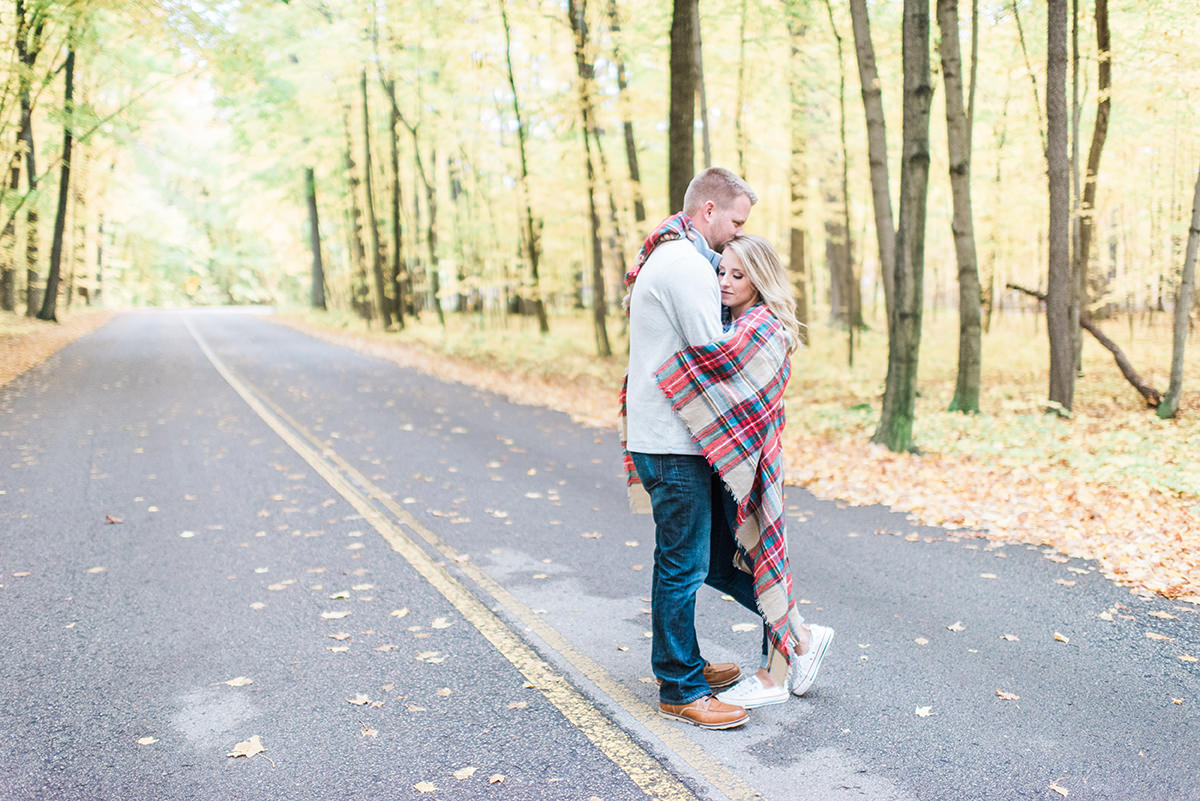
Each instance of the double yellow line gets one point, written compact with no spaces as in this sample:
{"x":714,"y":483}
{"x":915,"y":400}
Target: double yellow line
{"x":367,"y":498}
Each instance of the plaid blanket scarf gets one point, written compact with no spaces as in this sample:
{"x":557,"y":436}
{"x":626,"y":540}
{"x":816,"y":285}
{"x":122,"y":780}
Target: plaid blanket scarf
{"x":730,"y":395}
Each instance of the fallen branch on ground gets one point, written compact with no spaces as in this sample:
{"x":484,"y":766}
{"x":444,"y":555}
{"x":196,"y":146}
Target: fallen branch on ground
{"x":1152,"y":395}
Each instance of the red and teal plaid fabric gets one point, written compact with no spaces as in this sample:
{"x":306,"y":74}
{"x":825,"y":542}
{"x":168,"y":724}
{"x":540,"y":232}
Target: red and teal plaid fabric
{"x":674,"y":227}
{"x":730,"y":395}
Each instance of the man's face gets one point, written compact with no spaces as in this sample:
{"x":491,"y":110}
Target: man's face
{"x":724,"y":223}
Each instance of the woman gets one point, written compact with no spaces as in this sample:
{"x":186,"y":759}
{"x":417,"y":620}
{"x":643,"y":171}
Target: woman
{"x":730,"y":395}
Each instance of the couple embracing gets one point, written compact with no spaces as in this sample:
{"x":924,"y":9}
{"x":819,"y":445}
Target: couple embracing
{"x":712,"y":324}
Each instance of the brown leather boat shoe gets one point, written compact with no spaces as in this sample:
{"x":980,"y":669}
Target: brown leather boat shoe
{"x":722,"y":674}
{"x":707,"y":713}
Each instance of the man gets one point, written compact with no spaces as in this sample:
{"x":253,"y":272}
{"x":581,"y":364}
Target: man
{"x":675,"y":303}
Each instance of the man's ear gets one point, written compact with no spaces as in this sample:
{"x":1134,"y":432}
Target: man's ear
{"x":709,"y":207}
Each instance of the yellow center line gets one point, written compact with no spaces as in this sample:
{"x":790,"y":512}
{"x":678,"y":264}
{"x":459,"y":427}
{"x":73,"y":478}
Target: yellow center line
{"x":641,"y":767}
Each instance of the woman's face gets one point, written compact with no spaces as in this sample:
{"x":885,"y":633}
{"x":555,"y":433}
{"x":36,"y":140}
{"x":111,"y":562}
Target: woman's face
{"x":736,"y":290}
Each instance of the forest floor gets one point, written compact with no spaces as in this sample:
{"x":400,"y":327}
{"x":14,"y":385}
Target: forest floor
{"x":27,"y":341}
{"x":1113,"y":483}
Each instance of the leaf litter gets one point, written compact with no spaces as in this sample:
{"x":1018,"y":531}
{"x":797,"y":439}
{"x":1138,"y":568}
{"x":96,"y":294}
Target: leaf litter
{"x":1086,"y":487}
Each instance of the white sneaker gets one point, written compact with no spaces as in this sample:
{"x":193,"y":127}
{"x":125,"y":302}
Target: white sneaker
{"x":750,"y":693}
{"x":804,"y":668}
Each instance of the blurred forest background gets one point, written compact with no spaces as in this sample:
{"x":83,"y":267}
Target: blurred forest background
{"x":501,"y":161}
{"x":1004,"y":188}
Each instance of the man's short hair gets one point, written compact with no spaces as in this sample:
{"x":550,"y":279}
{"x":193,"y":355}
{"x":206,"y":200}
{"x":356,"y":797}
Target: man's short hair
{"x":717,"y":184}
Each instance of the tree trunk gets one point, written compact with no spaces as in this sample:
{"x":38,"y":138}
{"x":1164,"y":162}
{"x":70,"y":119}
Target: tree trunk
{"x":1087,"y":207}
{"x":317,"y":293}
{"x":1037,"y":103}
{"x":431,"y":232}
{"x":8,"y":240}
{"x":1059,"y":291}
{"x":29,"y":45}
{"x":97,"y":296}
{"x":626,"y":105}
{"x":585,"y":69}
{"x":872,"y":94}
{"x":739,"y":113}
{"x":681,"y":134}
{"x":381,"y":303}
{"x":358,"y":291}
{"x":50,"y":299}
{"x":797,"y":169}
{"x":532,"y":233}
{"x":854,"y":318}
{"x":970,"y":342}
{"x":702,"y":97}
{"x":904,"y":321}
{"x":397,"y":266}
{"x":1183,"y":309}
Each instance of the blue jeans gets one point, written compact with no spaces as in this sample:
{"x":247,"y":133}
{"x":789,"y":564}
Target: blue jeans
{"x":723,"y":575}
{"x":680,"y":489}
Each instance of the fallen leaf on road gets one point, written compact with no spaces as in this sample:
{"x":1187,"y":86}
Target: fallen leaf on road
{"x":924,"y":711}
{"x":258,"y":605}
{"x":240,"y":681}
{"x":445,"y":692}
{"x":1163,"y":615}
{"x":112,"y":520}
{"x":1003,"y":696}
{"x":425,"y":787}
{"x":334,"y":615}
{"x":956,"y":627}
{"x":518,"y":705}
{"x":1152,"y":635}
{"x":921,"y":641}
{"x":338,"y":649}
{"x":1106,"y":616}
{"x":387,"y":648}
{"x":1063,"y":791}
{"x":247,"y":748}
{"x":1061,"y":638}
{"x":1177,"y":701}
{"x":339,"y":636}
{"x":97,"y":569}
{"x":440,"y":623}
{"x":495,"y":778}
{"x":632,"y":543}
{"x":359,"y":699}
{"x":591,"y":535}
{"x":400,"y":612}
{"x":1010,"y":637}
{"x":147,"y":740}
{"x":1187,"y":658}
{"x":362,"y":587}
{"x":1064,"y":582}
{"x":367,"y":731}
{"x":987,"y":575}
{"x":462,"y":774}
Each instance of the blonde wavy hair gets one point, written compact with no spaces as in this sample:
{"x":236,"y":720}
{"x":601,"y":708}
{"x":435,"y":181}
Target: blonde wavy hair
{"x":769,"y":278}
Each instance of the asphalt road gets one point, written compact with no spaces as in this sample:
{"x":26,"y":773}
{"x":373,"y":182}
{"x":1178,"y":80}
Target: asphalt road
{"x":438,"y":594}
